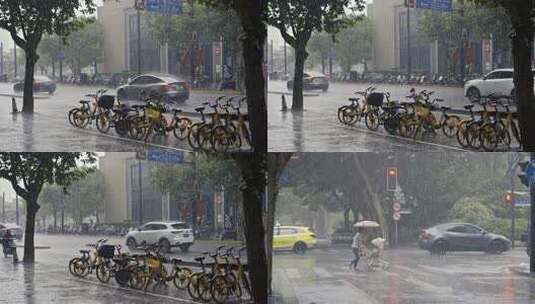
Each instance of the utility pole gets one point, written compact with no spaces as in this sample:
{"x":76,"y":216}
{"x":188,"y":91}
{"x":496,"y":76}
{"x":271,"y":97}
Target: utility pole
{"x":285,"y":59}
{"x":140,"y":184}
{"x":272,"y":57}
{"x":198,"y":195}
{"x":331,"y":55}
{"x":15,"y":59}
{"x":2,"y":59}
{"x":532,"y":221}
{"x":462,"y":50}
{"x":62,"y":213}
{"x":139,"y":41}
{"x":513,"y":207}
{"x":61,"y":61}
{"x":409,"y":61}
{"x":193,"y":48}
{"x":3,"y":207}
{"x":17,"y":208}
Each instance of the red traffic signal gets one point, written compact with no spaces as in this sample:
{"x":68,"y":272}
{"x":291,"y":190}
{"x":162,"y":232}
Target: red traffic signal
{"x":508,"y":198}
{"x":391,"y":178}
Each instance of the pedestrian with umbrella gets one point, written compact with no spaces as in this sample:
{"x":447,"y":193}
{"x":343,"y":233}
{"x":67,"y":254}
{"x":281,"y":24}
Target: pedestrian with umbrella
{"x":359,"y":241}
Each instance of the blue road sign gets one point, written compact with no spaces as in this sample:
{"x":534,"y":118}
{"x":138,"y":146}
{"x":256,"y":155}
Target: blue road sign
{"x":172,"y":7}
{"x":165,"y":156}
{"x":521,"y":202}
{"x":435,"y":5}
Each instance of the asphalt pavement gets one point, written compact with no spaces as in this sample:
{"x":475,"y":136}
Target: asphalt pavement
{"x":49,"y":280}
{"x":48,"y":130}
{"x":317,"y":129}
{"x":414,"y":276}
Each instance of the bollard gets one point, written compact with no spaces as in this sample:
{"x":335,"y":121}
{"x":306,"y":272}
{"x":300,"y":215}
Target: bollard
{"x":284,"y":105}
{"x":14,"y":106}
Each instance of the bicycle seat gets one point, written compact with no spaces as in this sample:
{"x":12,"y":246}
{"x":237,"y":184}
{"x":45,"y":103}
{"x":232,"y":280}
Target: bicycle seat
{"x":177,"y":111}
{"x":200,"y":259}
{"x":439,"y":100}
{"x":200,"y":109}
{"x":468,"y":107}
{"x":85,"y":101}
{"x":353,"y":99}
{"x":91,"y":95}
{"x":445,"y":108}
{"x":176,"y":261}
{"x":84,"y":251}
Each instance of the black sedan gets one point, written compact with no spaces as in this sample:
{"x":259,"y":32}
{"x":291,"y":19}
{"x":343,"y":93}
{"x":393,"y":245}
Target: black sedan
{"x":41,"y":84}
{"x":312,"y":81}
{"x":461,"y":237}
{"x":170,"y":87}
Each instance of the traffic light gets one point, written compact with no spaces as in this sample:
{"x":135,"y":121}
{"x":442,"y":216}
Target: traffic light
{"x":391,"y":178}
{"x":523,"y":177}
{"x":508,"y":198}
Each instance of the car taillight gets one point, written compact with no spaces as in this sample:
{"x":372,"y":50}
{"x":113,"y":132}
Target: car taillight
{"x":425,"y":235}
{"x":168,"y":87}
{"x":187,"y":86}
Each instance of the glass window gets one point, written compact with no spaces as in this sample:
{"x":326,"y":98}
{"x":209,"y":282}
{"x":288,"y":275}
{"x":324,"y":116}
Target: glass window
{"x":140,"y":80}
{"x":458,"y":229}
{"x":159,"y":227}
{"x":493,"y":75}
{"x":180,"y":226}
{"x":507,"y":75}
{"x":150,"y":79}
{"x":472,"y":229}
{"x":287,"y":231}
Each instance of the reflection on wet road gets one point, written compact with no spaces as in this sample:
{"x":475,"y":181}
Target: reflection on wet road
{"x":414,"y":276}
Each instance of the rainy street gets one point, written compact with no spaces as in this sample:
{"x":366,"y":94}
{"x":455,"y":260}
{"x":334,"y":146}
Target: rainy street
{"x":49,"y":129}
{"x":322,"y":276}
{"x":49,"y":279}
{"x":317,"y":129}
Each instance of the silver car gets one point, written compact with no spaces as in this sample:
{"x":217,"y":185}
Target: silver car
{"x":171,"y":88}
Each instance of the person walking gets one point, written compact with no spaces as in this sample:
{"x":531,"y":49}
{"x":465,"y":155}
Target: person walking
{"x":358,"y":246}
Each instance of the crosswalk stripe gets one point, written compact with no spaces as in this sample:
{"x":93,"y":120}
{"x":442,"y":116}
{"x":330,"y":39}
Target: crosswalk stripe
{"x":322,"y":273}
{"x":292,"y":273}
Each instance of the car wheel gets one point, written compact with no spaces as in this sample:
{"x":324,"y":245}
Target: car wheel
{"x":131,"y":243}
{"x":325,"y":89}
{"x":473,"y":95}
{"x":165,"y":246}
{"x":440,"y":247}
{"x":300,"y":248}
{"x":513,"y":93}
{"x":496,"y":247}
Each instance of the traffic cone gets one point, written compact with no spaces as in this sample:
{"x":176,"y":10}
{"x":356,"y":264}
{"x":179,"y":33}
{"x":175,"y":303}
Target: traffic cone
{"x":14,"y":105}
{"x":284,"y":105}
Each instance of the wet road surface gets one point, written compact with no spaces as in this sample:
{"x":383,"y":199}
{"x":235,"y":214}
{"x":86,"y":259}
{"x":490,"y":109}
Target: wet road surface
{"x":49,"y":280}
{"x":317,"y":129}
{"x":414,"y":276}
{"x":48,"y":130}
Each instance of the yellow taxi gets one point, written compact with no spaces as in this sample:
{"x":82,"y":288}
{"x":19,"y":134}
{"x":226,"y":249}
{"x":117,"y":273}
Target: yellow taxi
{"x":296,"y":238}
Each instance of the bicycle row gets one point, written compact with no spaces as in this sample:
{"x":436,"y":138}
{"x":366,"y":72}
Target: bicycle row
{"x":227,"y":128}
{"x":416,"y":118}
{"x":224,"y":278}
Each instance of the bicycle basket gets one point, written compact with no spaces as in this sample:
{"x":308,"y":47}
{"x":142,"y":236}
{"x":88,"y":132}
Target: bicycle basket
{"x":375,"y":99}
{"x":106,"y":251}
{"x":153,"y":113}
{"x":106,"y":101}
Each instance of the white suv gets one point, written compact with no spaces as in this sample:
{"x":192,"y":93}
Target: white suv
{"x":165,"y":234}
{"x":498,"y":82}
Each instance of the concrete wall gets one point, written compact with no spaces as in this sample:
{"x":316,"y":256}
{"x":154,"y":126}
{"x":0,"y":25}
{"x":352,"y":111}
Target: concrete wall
{"x":386,"y":36}
{"x":114,"y":168}
{"x":112,"y":15}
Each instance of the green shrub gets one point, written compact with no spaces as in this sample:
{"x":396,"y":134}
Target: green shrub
{"x":472,"y":210}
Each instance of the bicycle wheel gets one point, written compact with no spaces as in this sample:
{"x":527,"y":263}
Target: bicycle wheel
{"x":461,"y":134}
{"x":204,"y":137}
{"x":192,"y":135}
{"x":193,"y":283}
{"x":121,"y":127}
{"x":503,"y":134}
{"x":182,"y":127}
{"x":181,"y":278}
{"x":340,"y":113}
{"x":72,"y":263}
{"x":246,"y":134}
{"x":82,"y":268}
{"x":103,"y":122}
{"x":488,"y":137}
{"x":221,"y":139}
{"x":219,"y":289}
{"x":81,"y":118}
{"x":71,"y":116}
{"x":351,"y":116}
{"x":245,"y":284}
{"x":449,"y":126}
{"x":472,"y":135}
{"x":138,"y":279}
{"x":103,"y":272}
{"x":137,"y":128}
{"x":204,"y":287}
{"x":372,"y":120}
{"x":516,"y":133}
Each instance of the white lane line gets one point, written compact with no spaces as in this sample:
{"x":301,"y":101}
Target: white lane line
{"x":322,"y":273}
{"x":135,"y":291}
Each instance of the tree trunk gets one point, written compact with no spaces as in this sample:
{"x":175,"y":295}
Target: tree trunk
{"x":55,"y":218}
{"x":523,"y":79}
{"x":301,"y":56}
{"x":31,"y":210}
{"x":253,"y":169}
{"x":253,"y":41}
{"x":31,"y":60}
{"x":323,"y":63}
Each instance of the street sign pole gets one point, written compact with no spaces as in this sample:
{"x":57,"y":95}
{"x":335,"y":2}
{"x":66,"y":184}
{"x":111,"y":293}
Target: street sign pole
{"x":409,"y":59}
{"x":138,"y":41}
{"x":3,"y":207}
{"x":513,"y":211}
{"x":464,"y":37}
{"x":532,"y":221}
{"x":17,"y":208}
{"x":140,"y":184}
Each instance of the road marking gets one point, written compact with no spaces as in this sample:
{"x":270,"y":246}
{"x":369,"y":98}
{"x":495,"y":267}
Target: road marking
{"x":135,"y":291}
